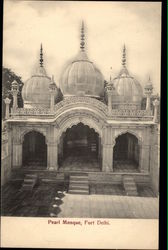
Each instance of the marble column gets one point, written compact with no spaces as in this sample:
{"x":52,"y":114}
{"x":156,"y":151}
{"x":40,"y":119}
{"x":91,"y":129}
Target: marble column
{"x":107,"y":165}
{"x":99,"y":149}
{"x":61,"y":144}
{"x":52,"y":156}
{"x":144,"y":158}
{"x":17,"y":155}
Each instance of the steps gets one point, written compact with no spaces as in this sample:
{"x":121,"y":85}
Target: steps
{"x":78,"y":184}
{"x":29,"y":182}
{"x":130,"y":186}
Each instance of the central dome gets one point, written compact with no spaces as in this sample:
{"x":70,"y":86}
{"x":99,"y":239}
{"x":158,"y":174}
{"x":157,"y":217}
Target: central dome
{"x":81,"y":77}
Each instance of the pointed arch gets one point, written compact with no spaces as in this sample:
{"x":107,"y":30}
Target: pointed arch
{"x":74,"y":121}
{"x":38,"y":130}
{"x":129,"y":132}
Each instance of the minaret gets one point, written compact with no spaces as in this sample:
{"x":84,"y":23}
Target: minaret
{"x":110,"y":91}
{"x":52,"y":89}
{"x":82,"y":43}
{"x":14,"y":91}
{"x":41,"y":56}
{"x":148,"y":92}
{"x":124,"y":57}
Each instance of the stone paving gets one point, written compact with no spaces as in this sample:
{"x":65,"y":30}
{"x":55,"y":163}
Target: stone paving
{"x":108,"y":206}
{"x":107,"y":201}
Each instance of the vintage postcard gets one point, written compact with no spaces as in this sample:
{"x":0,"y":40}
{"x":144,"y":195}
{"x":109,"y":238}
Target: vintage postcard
{"x":81,"y":124}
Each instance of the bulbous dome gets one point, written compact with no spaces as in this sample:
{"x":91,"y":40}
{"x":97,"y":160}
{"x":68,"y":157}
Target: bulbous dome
{"x":127,"y":89}
{"x":81,"y":77}
{"x":35,"y":91}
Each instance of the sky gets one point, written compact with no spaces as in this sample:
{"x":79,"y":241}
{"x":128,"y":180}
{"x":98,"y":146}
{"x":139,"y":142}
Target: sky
{"x":108,"y":26}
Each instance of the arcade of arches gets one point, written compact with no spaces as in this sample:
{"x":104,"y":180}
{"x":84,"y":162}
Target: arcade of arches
{"x":80,"y":149}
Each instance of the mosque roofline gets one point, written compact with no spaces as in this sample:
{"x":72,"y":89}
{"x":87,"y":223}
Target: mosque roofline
{"x":51,"y":120}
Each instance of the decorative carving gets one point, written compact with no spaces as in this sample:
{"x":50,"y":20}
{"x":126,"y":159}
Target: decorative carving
{"x":82,"y":99}
{"x":75,"y":120}
{"x":4,"y":136}
{"x":80,"y":115}
{"x":33,"y":111}
{"x":86,"y":105}
{"x":131,"y":112}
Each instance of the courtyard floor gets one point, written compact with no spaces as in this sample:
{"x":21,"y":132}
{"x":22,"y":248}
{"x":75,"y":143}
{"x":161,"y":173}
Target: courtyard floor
{"x":48,"y":200}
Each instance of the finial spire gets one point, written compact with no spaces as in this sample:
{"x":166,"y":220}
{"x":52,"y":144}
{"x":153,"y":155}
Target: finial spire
{"x":41,"y":56}
{"x":124,"y":57}
{"x":82,"y":43}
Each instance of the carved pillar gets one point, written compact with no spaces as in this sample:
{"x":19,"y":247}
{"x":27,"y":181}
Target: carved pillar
{"x":144,"y":158}
{"x":17,"y":155}
{"x":107,"y":158}
{"x":99,"y":149}
{"x":7,"y":102}
{"x":62,"y":144}
{"x":52,"y":156}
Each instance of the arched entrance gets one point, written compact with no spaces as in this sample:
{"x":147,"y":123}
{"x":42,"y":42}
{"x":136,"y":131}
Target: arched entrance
{"x":126,"y":153}
{"x":80,"y":149}
{"x":34,"y":150}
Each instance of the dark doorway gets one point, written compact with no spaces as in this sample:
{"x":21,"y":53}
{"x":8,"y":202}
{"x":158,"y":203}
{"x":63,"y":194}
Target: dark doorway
{"x":126,"y":153}
{"x":34,"y":150}
{"x":80,"y":148}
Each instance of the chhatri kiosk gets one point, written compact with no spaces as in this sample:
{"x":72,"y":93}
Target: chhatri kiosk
{"x":96,"y":129}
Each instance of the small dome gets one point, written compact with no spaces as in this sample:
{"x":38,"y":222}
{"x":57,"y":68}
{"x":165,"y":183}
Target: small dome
{"x":127,"y":89}
{"x":81,"y":77}
{"x":35,"y":91}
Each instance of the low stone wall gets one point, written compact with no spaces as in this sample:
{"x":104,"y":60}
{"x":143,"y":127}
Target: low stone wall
{"x":117,"y":178}
{"x":5,"y":156}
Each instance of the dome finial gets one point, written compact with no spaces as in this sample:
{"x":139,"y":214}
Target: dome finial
{"x":124,"y":57}
{"x":82,"y":43}
{"x":41,"y":56}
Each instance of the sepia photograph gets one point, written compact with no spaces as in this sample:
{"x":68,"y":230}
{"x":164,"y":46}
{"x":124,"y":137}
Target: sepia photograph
{"x":81,"y":112}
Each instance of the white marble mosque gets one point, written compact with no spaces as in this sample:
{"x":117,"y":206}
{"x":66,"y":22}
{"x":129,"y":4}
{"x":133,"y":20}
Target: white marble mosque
{"x":97,"y":129}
